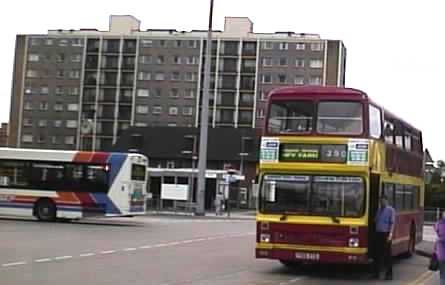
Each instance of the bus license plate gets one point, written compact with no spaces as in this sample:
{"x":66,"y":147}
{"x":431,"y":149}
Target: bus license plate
{"x":307,"y":256}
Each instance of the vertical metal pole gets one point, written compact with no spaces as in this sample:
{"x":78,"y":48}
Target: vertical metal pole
{"x":202,"y":162}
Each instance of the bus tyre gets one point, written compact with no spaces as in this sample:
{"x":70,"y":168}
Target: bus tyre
{"x":290,"y":264}
{"x":45,"y":210}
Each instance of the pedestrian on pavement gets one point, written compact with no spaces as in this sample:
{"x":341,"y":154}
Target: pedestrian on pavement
{"x":384,"y":222}
{"x":218,"y":204}
{"x":439,"y":247}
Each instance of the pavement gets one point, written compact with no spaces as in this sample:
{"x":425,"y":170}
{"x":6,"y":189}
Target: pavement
{"x":164,"y":249}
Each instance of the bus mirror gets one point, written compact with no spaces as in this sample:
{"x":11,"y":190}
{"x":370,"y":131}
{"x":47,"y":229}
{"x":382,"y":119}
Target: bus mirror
{"x":270,"y":192}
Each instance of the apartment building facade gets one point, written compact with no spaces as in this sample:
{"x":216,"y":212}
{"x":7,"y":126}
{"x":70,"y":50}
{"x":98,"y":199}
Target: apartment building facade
{"x":79,"y":89}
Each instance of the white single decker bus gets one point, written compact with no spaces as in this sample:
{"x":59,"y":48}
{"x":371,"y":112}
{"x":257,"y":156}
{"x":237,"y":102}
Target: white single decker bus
{"x":54,"y":184}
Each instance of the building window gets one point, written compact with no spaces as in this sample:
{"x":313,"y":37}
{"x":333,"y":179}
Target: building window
{"x":73,"y":107}
{"x":315,"y":80}
{"x":299,"y":80}
{"x":33,"y":57}
{"x":260,"y":114}
{"x":71,"y":124}
{"x":192,"y":60}
{"x":42,"y":123}
{"x":176,"y":76}
{"x":49,"y":42}
{"x":162,"y":43}
{"x":142,"y":109}
{"x":282,"y":78}
{"x":160,"y":59}
{"x":74,"y":91}
{"x":190,"y":76}
{"x":58,"y":107}
{"x":316,"y":47}
{"x":43,"y":106}
{"x":187,"y":111}
{"x":190,"y":93}
{"x":147,"y":43}
{"x":159,"y":76}
{"x":177,"y":59}
{"x":76,"y":42}
{"x":170,"y":164}
{"x":145,"y":59}
{"x":157,"y":110}
{"x":143,"y":92}
{"x":178,"y":43}
{"x":60,"y":57}
{"x":76,"y":58}
{"x":299,"y":62}
{"x":63,"y":42}
{"x":69,"y":140}
{"x":74,"y":74}
{"x":282,"y":61}
{"x":59,"y":90}
{"x":268,"y":45}
{"x":300,"y":46}
{"x":266,"y":78}
{"x":144,"y":75}
{"x":44,"y":90}
{"x":57,"y":123}
{"x":263,"y":96}
{"x":27,"y":122}
{"x":193,"y":44}
{"x":267,"y":61}
{"x":173,"y":111}
{"x":27,"y":138}
{"x":55,"y":140}
{"x":35,"y":41}
{"x":60,"y":73}
{"x":32,"y":73}
{"x":28,"y":90}
{"x":158,"y":92}
{"x":316,"y":63}
{"x":283,"y":46}
{"x":174,"y":93}
{"x":28,"y":106}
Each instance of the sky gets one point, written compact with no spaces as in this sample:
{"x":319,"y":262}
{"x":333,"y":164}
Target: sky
{"x":395,"y":49}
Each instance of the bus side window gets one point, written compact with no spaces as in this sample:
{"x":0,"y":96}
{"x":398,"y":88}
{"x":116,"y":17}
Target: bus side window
{"x":388,"y":191}
{"x":399,"y":197}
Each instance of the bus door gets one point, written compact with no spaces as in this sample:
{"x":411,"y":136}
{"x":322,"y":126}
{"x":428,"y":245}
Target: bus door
{"x":137,"y":188}
{"x":374,"y":192}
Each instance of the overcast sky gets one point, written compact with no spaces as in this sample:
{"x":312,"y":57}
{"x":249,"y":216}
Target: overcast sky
{"x":395,"y":49}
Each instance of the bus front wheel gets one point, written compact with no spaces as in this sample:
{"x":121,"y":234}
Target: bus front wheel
{"x":45,"y":210}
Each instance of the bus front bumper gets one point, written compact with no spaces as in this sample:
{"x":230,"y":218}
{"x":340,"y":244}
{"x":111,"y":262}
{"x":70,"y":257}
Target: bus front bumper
{"x":312,"y":254}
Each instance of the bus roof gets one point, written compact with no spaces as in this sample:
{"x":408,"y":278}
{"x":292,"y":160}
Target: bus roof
{"x":318,"y":90}
{"x":58,"y":155}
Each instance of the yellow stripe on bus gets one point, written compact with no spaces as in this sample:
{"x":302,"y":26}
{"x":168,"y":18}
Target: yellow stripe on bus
{"x":348,"y":250}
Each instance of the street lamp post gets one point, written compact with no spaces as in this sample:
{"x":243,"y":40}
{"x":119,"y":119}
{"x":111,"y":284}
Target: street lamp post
{"x":202,"y":162}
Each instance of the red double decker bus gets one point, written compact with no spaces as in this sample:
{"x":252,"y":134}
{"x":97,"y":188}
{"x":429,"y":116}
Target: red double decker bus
{"x":327,"y":155}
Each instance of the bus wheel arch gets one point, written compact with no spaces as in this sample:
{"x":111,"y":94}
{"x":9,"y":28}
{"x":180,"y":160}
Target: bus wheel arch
{"x":45,"y":210}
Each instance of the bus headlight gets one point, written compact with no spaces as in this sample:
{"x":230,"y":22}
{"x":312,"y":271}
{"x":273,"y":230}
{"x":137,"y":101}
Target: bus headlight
{"x":353,"y":242}
{"x":265,"y":238}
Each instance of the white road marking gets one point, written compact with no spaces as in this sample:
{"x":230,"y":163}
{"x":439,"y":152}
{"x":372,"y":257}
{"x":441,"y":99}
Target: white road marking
{"x":63,"y":257}
{"x":43,"y":260}
{"x":129,"y":249}
{"x":291,"y":281}
{"x":13,"y":263}
{"x":169,"y":244}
